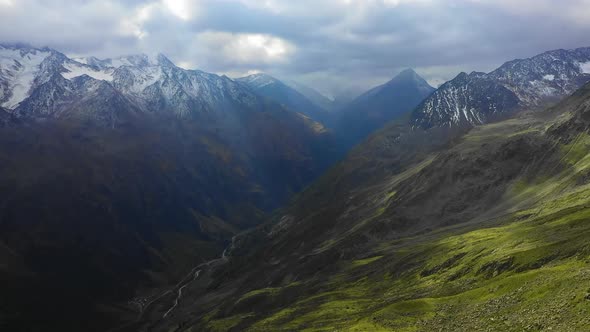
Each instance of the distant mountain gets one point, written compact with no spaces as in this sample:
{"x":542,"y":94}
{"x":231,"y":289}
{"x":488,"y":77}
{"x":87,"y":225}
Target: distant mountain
{"x":119,"y":175}
{"x":45,"y":83}
{"x":382,"y":104}
{"x":313,"y":95}
{"x":274,"y":89}
{"x":477,"y":98}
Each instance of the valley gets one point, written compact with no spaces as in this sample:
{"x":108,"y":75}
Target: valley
{"x":137,"y":195}
{"x":519,"y":264}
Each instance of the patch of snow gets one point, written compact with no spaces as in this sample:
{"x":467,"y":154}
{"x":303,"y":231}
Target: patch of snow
{"x":78,"y":69}
{"x":549,"y":77}
{"x":542,"y":89}
{"x":585,"y":67}
{"x":138,"y":60}
{"x":81,"y":60}
{"x":19,"y":69}
{"x":149,"y":76}
{"x":260,"y":80}
{"x":142,"y":77}
{"x":120,"y":62}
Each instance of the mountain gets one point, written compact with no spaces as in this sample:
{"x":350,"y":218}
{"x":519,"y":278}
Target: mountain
{"x":117,"y":176}
{"x":151,"y":84}
{"x":313,"y":95}
{"x":488,"y":231}
{"x":5,"y":117}
{"x":477,"y":98}
{"x":122,"y":180}
{"x":45,"y":84}
{"x":382,"y":104}
{"x":282,"y":93}
{"x":345,"y":97}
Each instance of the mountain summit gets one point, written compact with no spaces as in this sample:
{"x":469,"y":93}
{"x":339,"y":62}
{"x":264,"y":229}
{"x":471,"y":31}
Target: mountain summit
{"x":382,"y":104}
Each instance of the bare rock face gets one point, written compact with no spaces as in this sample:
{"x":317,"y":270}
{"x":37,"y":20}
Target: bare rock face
{"x":477,"y":98}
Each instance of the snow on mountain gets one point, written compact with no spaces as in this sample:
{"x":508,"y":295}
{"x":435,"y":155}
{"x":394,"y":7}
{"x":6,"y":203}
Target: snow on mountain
{"x":76,"y":69}
{"x":19,"y":67}
{"x":585,"y":67}
{"x":258,"y":81}
{"x":152,"y":83}
{"x":529,"y":83}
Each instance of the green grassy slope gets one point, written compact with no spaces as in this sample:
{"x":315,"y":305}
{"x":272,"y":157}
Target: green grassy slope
{"x":490,"y":234}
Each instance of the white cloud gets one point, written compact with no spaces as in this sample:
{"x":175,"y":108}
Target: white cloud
{"x":243,"y":48}
{"x":133,"y":25}
{"x":180,"y":8}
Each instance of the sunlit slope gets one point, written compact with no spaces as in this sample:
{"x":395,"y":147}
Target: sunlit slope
{"x":489,"y":234}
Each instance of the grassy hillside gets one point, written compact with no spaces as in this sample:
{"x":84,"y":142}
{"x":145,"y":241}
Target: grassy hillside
{"x":488,"y":234}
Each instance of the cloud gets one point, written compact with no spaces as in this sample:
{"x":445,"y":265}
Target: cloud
{"x":333,"y":45}
{"x":242,"y":51}
{"x":180,"y":8}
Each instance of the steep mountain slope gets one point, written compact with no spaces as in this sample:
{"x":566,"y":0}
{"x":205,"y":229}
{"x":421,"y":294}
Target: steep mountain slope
{"x":313,"y":95}
{"x":117,"y":176}
{"x":18,"y":74}
{"x":382,"y":104}
{"x":282,"y":93}
{"x":43,"y":84}
{"x":489,"y":232}
{"x":479,"y":98}
{"x":5,"y":117}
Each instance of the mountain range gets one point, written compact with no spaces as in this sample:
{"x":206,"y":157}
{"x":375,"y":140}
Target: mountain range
{"x":122,"y":181}
{"x":461,"y":228}
{"x":467,"y":100}
{"x":117,"y":175}
{"x":477,"y":98}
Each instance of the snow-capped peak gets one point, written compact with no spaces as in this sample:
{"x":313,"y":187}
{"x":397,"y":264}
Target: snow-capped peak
{"x":136,"y":60}
{"x":19,"y":66}
{"x":44,"y":82}
{"x":517,"y":84}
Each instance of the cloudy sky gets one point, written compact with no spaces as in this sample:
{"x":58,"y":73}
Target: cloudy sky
{"x":335,"y":46}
